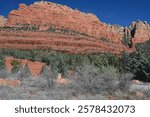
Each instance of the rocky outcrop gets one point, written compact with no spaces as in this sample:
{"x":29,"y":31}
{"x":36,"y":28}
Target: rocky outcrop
{"x":2,"y":21}
{"x":46,"y":14}
{"x":34,"y":67}
{"x":120,"y":30}
{"x":140,"y":31}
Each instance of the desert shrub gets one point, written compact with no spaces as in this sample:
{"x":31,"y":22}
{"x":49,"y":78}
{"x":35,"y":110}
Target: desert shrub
{"x":24,"y":73}
{"x":48,"y":74}
{"x":125,"y":82}
{"x":93,"y":80}
{"x":52,"y":29}
{"x":41,"y":83}
{"x":105,"y":40}
{"x":141,"y":90}
{"x":65,"y":30}
{"x":84,"y":34}
{"x":4,"y":73}
{"x":2,"y":64}
{"x":16,"y":66}
{"x":15,"y":63}
{"x":5,"y":93}
{"x":63,"y":92}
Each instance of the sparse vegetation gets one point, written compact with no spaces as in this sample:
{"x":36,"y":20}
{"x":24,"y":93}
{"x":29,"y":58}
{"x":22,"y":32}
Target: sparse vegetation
{"x":51,"y":29}
{"x":105,"y":40}
{"x":21,"y":28}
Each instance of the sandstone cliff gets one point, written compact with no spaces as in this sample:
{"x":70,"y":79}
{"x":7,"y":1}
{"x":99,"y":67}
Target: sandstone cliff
{"x":137,"y":32}
{"x":46,"y":14}
{"x":90,"y":35}
{"x":140,"y":31}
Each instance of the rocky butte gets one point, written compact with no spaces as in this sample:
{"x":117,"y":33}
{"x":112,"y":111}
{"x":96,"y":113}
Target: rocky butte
{"x":61,"y":28}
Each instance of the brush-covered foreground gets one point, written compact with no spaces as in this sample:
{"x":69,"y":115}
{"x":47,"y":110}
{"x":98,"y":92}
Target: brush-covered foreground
{"x":86,"y":82}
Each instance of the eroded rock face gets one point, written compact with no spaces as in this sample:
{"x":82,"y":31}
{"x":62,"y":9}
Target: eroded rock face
{"x":58,"y":42}
{"x":2,"y":21}
{"x":45,"y":14}
{"x":120,"y":30}
{"x":140,"y":31}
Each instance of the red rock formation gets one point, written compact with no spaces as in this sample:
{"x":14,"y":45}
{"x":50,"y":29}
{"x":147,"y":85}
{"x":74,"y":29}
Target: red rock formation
{"x":46,"y":14}
{"x":34,"y":67}
{"x":58,"y":42}
{"x":120,"y":30}
{"x":2,"y":21}
{"x":11,"y":83}
{"x":140,"y":31}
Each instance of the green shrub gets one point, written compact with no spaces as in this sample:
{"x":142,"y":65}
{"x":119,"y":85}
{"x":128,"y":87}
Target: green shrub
{"x":15,"y":63}
{"x":52,"y":29}
{"x":2,"y":63}
{"x":138,"y":63}
{"x":24,"y":73}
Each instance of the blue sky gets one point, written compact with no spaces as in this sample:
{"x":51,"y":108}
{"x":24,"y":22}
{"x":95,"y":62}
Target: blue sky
{"x":120,"y":12}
